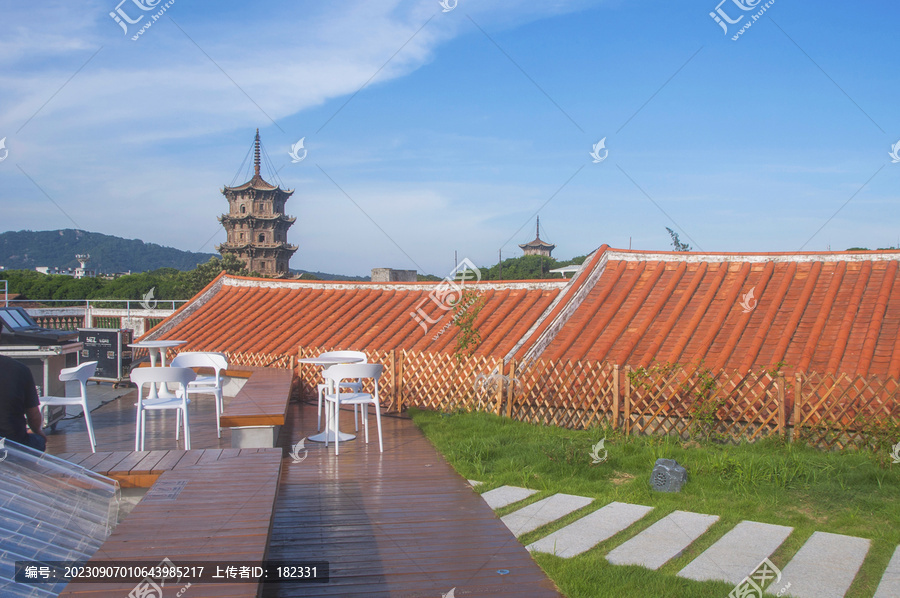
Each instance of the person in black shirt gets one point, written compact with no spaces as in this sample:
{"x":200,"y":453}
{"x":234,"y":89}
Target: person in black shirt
{"x":19,"y":403}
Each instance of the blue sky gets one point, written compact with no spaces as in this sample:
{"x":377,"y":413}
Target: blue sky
{"x":430,"y":132}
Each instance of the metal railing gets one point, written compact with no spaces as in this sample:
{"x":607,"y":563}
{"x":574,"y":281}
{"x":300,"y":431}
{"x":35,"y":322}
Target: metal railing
{"x":65,"y":314}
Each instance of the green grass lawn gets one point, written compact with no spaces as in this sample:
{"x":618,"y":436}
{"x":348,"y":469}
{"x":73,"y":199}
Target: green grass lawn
{"x":769,"y":481}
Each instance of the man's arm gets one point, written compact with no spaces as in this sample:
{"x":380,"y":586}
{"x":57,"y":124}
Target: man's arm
{"x":35,"y":420}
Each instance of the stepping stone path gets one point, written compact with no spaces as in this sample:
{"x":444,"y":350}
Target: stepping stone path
{"x":825,"y":566}
{"x":505,"y":495}
{"x":662,"y":541}
{"x":738,"y":553}
{"x":890,"y":581}
{"x":590,"y":530}
{"x":527,"y":519}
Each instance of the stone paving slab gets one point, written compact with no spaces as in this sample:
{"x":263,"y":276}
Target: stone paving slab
{"x":890,"y":581}
{"x":590,"y":530}
{"x":528,"y":519}
{"x":825,"y":566}
{"x":505,"y":495}
{"x":737,"y":554}
{"x":662,"y":541}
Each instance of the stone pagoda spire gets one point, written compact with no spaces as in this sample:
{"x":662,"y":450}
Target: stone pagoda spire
{"x":256,"y":223}
{"x":256,"y":154}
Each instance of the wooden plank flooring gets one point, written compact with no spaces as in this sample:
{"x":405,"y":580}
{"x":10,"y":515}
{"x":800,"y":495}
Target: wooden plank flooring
{"x":401,"y":523}
{"x":221,"y":511}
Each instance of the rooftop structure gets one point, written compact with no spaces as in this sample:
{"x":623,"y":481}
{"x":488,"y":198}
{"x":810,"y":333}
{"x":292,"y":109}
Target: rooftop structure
{"x":813,"y":311}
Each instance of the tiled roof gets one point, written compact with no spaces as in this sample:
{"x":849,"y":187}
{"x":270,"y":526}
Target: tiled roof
{"x":538,"y":242}
{"x":824,"y":312}
{"x":257,"y":182}
{"x":250,"y":315}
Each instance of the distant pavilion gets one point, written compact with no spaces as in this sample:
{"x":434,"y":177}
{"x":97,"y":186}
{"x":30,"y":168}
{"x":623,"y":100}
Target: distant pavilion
{"x":538,"y":247}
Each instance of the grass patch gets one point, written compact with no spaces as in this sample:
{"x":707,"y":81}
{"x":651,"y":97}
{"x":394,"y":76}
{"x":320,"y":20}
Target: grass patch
{"x":770,"y":481}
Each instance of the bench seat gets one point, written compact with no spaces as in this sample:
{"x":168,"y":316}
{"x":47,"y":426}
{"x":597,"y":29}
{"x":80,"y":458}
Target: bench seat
{"x":259,"y":409}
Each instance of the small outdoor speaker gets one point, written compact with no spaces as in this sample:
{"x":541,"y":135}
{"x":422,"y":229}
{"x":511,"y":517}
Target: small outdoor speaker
{"x":668,"y":476}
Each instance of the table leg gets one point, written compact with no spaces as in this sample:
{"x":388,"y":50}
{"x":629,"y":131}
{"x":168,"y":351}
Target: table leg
{"x":332,"y":421}
{"x":164,"y":392}
{"x":154,"y":355}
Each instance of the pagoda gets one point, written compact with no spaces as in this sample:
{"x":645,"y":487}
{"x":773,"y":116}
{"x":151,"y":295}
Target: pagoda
{"x":538,"y":247}
{"x":256,"y":224}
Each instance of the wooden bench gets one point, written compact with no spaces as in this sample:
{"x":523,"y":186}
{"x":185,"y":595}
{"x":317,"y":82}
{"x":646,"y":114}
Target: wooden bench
{"x":257,"y":412}
{"x":205,"y":507}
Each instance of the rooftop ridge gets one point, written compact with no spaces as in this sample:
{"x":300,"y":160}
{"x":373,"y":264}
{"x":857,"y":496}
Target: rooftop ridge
{"x":267,"y":283}
{"x":636,"y":255}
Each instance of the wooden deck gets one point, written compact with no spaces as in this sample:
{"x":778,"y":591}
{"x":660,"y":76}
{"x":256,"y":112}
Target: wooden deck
{"x":206,"y":508}
{"x":401,"y":523}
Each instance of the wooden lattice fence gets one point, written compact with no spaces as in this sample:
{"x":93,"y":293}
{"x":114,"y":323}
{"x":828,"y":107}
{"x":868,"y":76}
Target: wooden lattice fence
{"x":570,"y":394}
{"x":840,"y":410}
{"x":827,"y":411}
{"x":692,"y":401}
{"x":443,"y":382}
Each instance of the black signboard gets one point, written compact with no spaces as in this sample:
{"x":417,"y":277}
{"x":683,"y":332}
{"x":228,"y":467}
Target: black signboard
{"x":109,"y":348}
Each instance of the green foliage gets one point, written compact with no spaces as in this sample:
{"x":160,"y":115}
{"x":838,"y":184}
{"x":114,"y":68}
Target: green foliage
{"x":527,"y":267}
{"x":167,"y":283}
{"x":465,"y":312}
{"x":676,"y":242}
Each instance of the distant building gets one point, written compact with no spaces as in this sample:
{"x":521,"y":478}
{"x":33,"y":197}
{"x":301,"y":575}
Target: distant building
{"x":256,"y":224}
{"x":80,"y":272}
{"x":391,"y":275}
{"x":538,"y":247}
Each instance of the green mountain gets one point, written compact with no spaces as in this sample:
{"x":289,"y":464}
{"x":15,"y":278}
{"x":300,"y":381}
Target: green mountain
{"x":27,"y":249}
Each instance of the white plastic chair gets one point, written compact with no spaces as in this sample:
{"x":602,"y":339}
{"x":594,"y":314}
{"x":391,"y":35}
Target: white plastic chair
{"x":181,"y":376}
{"x":334,"y":378}
{"x":81,"y":373}
{"x":205,"y":383}
{"x":354,"y":386}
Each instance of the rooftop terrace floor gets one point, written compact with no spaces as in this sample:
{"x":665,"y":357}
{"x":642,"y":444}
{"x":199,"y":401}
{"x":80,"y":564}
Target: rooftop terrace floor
{"x":398,"y":523}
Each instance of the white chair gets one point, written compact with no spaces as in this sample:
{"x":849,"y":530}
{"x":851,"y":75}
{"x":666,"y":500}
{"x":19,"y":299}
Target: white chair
{"x":354,"y":386}
{"x":181,"y":376}
{"x":335,"y":378}
{"x":81,"y":373}
{"x":205,"y":383}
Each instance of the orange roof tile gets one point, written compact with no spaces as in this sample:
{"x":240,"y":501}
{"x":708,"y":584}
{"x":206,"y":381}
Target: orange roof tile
{"x":826,"y":312}
{"x":250,"y":315}
{"x":823,"y":312}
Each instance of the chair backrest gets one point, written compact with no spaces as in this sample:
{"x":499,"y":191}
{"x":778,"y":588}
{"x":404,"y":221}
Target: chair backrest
{"x":346,"y":371}
{"x":216,"y":361}
{"x":357,"y":354}
{"x":79,"y":372}
{"x":141,"y":376}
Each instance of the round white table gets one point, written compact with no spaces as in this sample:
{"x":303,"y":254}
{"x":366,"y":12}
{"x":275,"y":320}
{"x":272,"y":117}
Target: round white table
{"x":157,"y":350}
{"x":331,"y":424}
